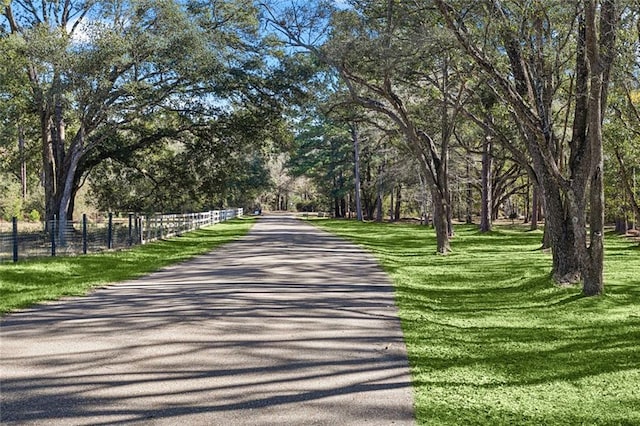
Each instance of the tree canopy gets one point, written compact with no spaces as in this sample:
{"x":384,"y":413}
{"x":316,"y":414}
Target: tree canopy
{"x":536,"y":78}
{"x":441,"y":109}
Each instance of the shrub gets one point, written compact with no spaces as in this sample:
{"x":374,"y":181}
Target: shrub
{"x":306,"y":206}
{"x":34,"y":216}
{"x":10,"y":198}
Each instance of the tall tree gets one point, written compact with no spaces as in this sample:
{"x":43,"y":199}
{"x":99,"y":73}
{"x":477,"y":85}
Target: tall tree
{"x":16,"y":136}
{"x":393,"y":63}
{"x":99,"y":68}
{"x":355,"y":137}
{"x":324,"y":153}
{"x":536,"y":41}
{"x":209,"y":167}
{"x":622,"y":131}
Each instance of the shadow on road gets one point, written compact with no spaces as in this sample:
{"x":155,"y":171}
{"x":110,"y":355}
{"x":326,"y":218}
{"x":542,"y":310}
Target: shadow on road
{"x":288,"y":325}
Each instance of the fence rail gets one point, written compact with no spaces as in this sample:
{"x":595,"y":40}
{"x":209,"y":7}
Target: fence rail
{"x":26,"y":240}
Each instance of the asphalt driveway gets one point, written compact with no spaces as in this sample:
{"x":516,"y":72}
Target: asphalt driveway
{"x":287,"y":326}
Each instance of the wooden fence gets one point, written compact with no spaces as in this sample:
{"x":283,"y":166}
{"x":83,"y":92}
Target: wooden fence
{"x":105,"y":232}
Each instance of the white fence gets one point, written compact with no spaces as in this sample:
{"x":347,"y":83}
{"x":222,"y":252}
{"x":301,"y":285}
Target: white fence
{"x":153,"y":227}
{"x":105,"y":232}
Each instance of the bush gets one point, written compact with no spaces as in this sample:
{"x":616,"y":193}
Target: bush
{"x":34,"y":216}
{"x":10,"y":197}
{"x":306,"y":206}
{"x":35,"y":201}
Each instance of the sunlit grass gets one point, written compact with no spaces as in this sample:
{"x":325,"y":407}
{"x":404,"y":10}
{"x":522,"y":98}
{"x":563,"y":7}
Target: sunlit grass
{"x":32,"y":281}
{"x":492,"y":341}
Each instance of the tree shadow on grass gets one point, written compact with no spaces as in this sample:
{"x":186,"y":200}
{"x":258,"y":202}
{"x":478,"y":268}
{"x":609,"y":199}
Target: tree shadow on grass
{"x":492,"y":341}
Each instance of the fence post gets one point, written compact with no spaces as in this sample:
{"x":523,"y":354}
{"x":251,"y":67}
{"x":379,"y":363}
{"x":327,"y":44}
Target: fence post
{"x":15,"y":239}
{"x":110,"y":232}
{"x":84,"y":233}
{"x":140,"y":230}
{"x":130,"y":240}
{"x":136,"y":230}
{"x":53,"y":235}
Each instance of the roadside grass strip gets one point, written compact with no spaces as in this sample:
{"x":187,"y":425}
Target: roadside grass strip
{"x":491,"y":339}
{"x":37,"y":280}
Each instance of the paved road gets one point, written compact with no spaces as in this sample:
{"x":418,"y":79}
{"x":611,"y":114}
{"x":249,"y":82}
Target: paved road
{"x":287,"y":326}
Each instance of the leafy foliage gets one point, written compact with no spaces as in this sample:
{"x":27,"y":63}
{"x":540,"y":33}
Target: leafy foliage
{"x":221,"y":164}
{"x":324,"y":153}
{"x":108,"y":79}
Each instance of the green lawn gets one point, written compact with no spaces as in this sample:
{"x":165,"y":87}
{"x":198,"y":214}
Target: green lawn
{"x":32,"y":281}
{"x":492,"y":341}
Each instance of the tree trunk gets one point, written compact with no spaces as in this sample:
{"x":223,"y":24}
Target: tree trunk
{"x":59,"y":165}
{"x":368,"y":207}
{"x":440,"y":222}
{"x":449,"y":215}
{"x":559,"y":231}
{"x":593,"y":263}
{"x":469,"y":215}
{"x":48,"y":168}
{"x":534,"y":208}
{"x":546,"y":237}
{"x":446,"y":131}
{"x":398,"y":202}
{"x":600,"y":34}
{"x":527,"y":205}
{"x":566,"y":261}
{"x":566,"y":267}
{"x":23,"y":163}
{"x":442,"y":212}
{"x":423,"y":187}
{"x":68,"y":190}
{"x":636,"y":220}
{"x":486,"y":208}
{"x":593,"y":266}
{"x":379,"y":213}
{"x":391,"y":204}
{"x":356,"y":169}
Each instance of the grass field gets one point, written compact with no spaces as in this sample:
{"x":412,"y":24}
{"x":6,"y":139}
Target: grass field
{"x":492,"y":341}
{"x":32,"y":281}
